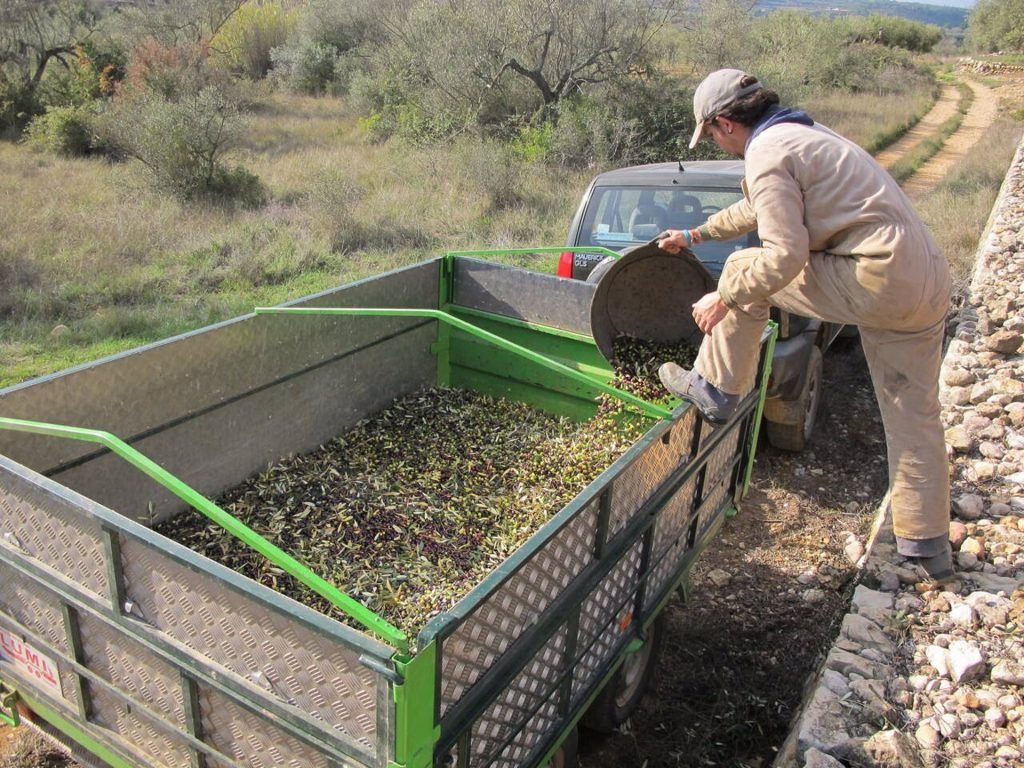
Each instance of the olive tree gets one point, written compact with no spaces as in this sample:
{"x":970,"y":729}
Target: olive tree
{"x":33,"y":35}
{"x":486,"y":61}
{"x":996,"y":25}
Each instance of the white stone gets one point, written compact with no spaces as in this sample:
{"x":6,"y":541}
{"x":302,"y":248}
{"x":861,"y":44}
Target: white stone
{"x":994,"y":718}
{"x":927,"y":736}
{"x":965,"y":661}
{"x":938,"y":657}
{"x":1008,"y":673}
{"x":963,"y":615}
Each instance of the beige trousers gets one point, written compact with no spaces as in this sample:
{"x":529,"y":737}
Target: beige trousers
{"x":903,"y":360}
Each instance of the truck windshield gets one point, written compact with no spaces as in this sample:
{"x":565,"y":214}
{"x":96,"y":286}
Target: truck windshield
{"x":621,"y":217}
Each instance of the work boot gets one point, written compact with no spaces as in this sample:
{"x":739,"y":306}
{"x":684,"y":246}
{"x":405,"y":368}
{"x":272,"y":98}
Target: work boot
{"x":714,"y":405}
{"x":930,"y":559}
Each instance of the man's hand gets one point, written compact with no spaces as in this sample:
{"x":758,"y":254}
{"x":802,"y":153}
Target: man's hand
{"x":674,"y":240}
{"x":708,"y":311}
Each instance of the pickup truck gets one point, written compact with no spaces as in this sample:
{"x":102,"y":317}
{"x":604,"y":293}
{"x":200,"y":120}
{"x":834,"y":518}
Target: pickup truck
{"x":143,"y":653}
{"x":628,"y":206}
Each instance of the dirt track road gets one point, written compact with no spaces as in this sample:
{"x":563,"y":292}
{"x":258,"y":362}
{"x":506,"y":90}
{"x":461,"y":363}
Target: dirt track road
{"x":979,"y":117}
{"x":943,"y":109}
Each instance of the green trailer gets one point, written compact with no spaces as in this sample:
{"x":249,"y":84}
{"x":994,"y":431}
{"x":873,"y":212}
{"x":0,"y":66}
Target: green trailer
{"x":141,"y":652}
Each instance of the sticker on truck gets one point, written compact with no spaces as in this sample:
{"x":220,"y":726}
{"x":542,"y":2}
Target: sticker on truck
{"x":30,"y":662}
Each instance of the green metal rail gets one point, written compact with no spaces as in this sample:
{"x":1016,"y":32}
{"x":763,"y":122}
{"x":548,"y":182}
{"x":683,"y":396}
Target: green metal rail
{"x":232,"y":525}
{"x":544,"y":249}
{"x":650,"y":409}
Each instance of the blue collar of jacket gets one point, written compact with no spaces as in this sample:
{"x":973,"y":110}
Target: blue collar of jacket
{"x":775,"y":115}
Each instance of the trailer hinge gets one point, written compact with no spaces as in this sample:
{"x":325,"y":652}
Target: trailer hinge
{"x":9,"y":705}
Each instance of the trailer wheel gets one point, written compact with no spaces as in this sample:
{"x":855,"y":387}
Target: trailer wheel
{"x":621,"y":695}
{"x":567,"y":755}
{"x":794,"y":434}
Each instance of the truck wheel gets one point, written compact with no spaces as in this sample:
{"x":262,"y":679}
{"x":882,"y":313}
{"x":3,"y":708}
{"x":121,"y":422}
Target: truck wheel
{"x":567,"y":755}
{"x":793,"y":435}
{"x":623,"y":692}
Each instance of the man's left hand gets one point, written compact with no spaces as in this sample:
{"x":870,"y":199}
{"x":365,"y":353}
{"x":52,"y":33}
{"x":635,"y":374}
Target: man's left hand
{"x":708,"y":311}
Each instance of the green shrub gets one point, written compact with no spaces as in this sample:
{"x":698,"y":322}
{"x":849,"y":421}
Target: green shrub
{"x":310,"y":68}
{"x":18,"y":104}
{"x":62,"y":131}
{"x":183,"y":143}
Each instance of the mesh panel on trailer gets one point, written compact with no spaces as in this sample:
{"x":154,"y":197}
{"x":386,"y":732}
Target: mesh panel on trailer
{"x":503,"y":617}
{"x":635,"y":484}
{"x":605,"y":617}
{"x":523,"y":713}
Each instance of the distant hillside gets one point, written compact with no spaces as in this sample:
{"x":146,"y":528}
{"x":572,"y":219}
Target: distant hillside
{"x":939,"y":15}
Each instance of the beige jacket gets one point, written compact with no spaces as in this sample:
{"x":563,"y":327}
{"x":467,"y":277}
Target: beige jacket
{"x":809,"y":189}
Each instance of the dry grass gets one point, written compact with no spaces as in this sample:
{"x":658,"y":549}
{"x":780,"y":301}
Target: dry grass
{"x":89,"y":247}
{"x":958,"y":210}
{"x":871,"y":121}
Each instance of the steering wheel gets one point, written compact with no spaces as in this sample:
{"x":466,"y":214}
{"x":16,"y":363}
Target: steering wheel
{"x":709,"y":209}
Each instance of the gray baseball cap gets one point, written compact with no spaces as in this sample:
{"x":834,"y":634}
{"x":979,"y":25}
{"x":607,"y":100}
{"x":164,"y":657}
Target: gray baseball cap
{"x":715,"y":93}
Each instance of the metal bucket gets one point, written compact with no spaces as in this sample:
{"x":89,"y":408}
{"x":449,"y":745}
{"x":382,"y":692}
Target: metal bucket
{"x":647,"y":294}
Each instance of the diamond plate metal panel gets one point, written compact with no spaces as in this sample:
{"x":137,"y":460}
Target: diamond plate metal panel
{"x":251,"y":740}
{"x":721,"y":460}
{"x":232,"y":631}
{"x":514,"y":716}
{"x":132,"y":669}
{"x":48,"y":529}
{"x":674,"y":518}
{"x":635,"y":484}
{"x":514,"y":607}
{"x":39,"y":611}
{"x":605,"y":617}
{"x":137,"y":732}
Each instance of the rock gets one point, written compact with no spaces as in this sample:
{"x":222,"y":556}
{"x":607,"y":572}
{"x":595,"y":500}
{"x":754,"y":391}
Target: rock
{"x":959,"y":439}
{"x":969,"y":506}
{"x":854,"y":551}
{"x":994,"y":718}
{"x":719,"y":578}
{"x":815,"y":758}
{"x":966,"y":561}
{"x":927,"y":737}
{"x":958,"y":377}
{"x":865,"y":632}
{"x":1004,"y":342}
{"x":813,"y":596}
{"x":965,"y":661}
{"x":835,"y":682}
{"x":1008,"y":673}
{"x":892,"y":748}
{"x":975,"y":546}
{"x":1017,"y":478}
{"x":59,"y":330}
{"x":872,"y":694}
{"x":957,"y":533}
{"x":963,"y":615}
{"x":938,"y":657}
